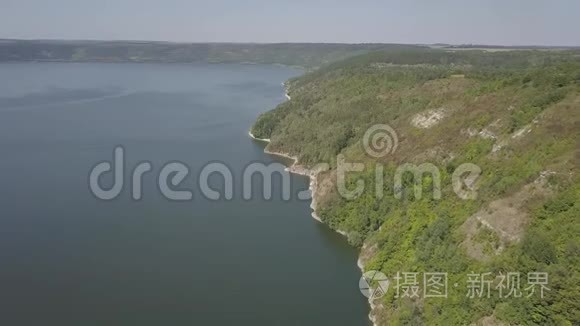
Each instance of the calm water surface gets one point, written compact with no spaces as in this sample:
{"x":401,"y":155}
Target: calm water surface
{"x":67,"y":258}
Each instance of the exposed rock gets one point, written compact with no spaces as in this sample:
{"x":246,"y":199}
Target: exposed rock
{"x":496,"y":124}
{"x":469,"y":132}
{"x":486,"y":134}
{"x":366,"y":253}
{"x":429,"y":119}
{"x":525,"y":130}
{"x":505,"y":217}
{"x":498,"y":146}
{"x":506,"y":140}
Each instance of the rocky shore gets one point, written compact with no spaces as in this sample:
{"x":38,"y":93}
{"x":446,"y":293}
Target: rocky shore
{"x":313,"y":175}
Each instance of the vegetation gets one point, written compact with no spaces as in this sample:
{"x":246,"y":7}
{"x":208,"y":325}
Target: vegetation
{"x":294,"y":54}
{"x":516,"y":114}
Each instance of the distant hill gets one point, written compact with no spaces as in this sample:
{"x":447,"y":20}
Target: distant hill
{"x":307,"y":55}
{"x":507,"y":47}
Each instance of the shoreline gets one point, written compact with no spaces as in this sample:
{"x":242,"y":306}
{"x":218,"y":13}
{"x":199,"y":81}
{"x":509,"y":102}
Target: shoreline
{"x":286,"y":90}
{"x":295,"y":168}
{"x":299,"y":170}
{"x":360,"y":265}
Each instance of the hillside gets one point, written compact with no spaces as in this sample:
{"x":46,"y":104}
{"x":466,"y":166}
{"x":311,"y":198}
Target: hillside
{"x":308,"y":55}
{"x":513,"y":114}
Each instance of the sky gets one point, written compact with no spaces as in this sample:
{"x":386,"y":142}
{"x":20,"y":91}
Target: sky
{"x":500,"y":22}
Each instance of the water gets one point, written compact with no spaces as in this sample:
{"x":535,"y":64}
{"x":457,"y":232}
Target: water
{"x":67,"y":258}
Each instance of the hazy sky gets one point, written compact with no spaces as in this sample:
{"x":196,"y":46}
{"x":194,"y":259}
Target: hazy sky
{"x":517,"y":22}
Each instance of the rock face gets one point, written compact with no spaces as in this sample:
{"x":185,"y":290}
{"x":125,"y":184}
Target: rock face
{"x":429,"y":118}
{"x":522,"y":132}
{"x":504,"y":220}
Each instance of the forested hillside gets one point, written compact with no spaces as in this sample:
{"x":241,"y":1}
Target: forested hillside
{"x":307,"y":55}
{"x":514,"y":114}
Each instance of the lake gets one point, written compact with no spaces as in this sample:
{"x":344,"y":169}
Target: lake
{"x":68,"y":258}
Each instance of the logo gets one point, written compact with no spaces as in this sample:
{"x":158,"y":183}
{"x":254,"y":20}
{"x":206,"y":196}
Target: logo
{"x":373,"y":284}
{"x":380,"y":140}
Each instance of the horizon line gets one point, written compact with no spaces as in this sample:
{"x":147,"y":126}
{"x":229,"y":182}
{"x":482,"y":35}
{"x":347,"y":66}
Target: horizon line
{"x":283,"y":42}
